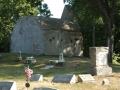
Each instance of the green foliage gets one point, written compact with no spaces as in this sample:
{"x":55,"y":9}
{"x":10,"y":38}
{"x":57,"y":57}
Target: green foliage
{"x":116,"y":58}
{"x":11,"y":11}
{"x":89,"y":19}
{"x":117,"y":31}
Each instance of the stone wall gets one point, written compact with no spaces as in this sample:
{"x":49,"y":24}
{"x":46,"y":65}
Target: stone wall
{"x":68,"y":43}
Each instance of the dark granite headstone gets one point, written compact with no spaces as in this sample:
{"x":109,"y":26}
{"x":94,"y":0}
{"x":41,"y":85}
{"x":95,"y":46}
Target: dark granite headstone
{"x":36,"y":77}
{"x":45,"y":88}
{"x":64,"y":78}
{"x":7,"y":85}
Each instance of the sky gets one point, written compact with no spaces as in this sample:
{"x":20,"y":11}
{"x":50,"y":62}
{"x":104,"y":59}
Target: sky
{"x":56,"y":7}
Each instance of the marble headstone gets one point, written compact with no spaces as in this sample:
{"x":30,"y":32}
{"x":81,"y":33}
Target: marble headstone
{"x":99,"y":61}
{"x":64,"y":78}
{"x":85,"y":78}
{"x":61,"y":59}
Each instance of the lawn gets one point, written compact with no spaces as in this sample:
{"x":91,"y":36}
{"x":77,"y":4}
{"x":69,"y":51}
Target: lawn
{"x":14,"y":71}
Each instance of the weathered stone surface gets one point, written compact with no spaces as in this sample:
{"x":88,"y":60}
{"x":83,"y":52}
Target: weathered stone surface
{"x":48,"y":36}
{"x":99,"y":61}
{"x":4,"y":85}
{"x":98,"y":56}
{"x":85,"y":78}
{"x":64,"y":78}
{"x":101,"y":70}
{"x":44,"y":88}
{"x":105,"y":82}
{"x":36,"y":77}
{"x":61,"y":59}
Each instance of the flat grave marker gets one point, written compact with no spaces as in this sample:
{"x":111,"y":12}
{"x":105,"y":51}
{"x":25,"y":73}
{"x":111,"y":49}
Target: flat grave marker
{"x":5,"y":85}
{"x":64,"y":78}
{"x":85,"y":78}
{"x":44,"y":88}
{"x":36,"y":77}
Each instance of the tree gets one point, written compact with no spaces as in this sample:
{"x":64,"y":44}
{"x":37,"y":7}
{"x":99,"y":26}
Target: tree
{"x":106,"y":9}
{"x":10,"y":12}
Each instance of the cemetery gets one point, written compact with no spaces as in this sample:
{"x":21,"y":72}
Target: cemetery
{"x":47,"y":54}
{"x":75,"y":74}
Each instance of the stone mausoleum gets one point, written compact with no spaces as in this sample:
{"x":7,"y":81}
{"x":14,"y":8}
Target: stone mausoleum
{"x":48,"y":36}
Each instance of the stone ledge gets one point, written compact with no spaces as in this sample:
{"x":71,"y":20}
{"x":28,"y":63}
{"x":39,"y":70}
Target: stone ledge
{"x":101,"y":70}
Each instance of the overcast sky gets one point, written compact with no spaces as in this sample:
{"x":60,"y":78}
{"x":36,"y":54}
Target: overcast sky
{"x":56,"y":7}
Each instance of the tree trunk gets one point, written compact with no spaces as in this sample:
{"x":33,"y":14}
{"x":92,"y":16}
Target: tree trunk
{"x":110,"y":29}
{"x":107,"y":11}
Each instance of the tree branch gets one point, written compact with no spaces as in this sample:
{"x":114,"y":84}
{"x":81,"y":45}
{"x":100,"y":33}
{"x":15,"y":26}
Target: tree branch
{"x":113,"y":6}
{"x":100,"y":5}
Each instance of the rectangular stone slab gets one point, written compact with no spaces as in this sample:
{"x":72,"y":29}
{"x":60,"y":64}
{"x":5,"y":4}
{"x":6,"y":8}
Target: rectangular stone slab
{"x":36,"y":77}
{"x":85,"y":78}
{"x":45,"y":89}
{"x":64,"y":78}
{"x":4,"y":85}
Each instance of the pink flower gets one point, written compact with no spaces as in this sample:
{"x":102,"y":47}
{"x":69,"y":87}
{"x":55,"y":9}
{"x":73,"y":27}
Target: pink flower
{"x":28,"y":73}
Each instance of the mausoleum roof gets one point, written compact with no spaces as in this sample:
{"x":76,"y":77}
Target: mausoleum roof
{"x":57,"y":24}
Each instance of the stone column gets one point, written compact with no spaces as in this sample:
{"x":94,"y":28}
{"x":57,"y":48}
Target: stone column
{"x":99,"y":61}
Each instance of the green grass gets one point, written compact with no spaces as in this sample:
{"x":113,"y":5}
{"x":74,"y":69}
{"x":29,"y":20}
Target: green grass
{"x":14,"y":71}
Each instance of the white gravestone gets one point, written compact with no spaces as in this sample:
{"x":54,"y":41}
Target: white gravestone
{"x":105,"y":82}
{"x":64,"y":78}
{"x":59,"y":62}
{"x":36,"y":77}
{"x":61,"y":59}
{"x":86,"y":78}
{"x":99,"y":61}
{"x":5,"y":85}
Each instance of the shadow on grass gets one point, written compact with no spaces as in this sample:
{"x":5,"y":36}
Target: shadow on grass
{"x":11,"y":69}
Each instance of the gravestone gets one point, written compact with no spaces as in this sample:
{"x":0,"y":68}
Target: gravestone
{"x":61,"y":59}
{"x":19,"y":58}
{"x":47,"y":67}
{"x":105,"y":82}
{"x":30,"y":60}
{"x":5,"y":85}
{"x":64,"y":78}
{"x":36,"y":77}
{"x":99,"y":61}
{"x":59,"y":62}
{"x":44,"y":88}
{"x":85,"y":78}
